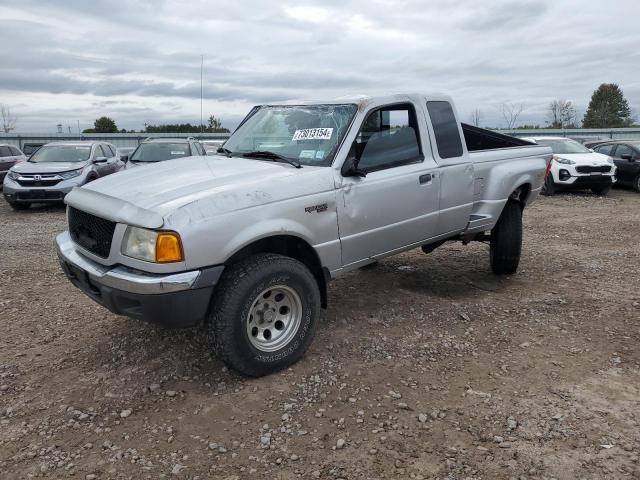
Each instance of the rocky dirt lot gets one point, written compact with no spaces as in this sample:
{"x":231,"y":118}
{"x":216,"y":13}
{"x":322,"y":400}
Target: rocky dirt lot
{"x":424,"y":367}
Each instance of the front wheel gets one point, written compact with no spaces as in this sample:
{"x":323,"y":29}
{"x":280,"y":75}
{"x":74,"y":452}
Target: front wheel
{"x":264,"y":313}
{"x":506,"y":240}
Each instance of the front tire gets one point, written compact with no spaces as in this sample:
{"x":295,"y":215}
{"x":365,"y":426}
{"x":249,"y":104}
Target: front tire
{"x":506,"y":240}
{"x":264,"y":313}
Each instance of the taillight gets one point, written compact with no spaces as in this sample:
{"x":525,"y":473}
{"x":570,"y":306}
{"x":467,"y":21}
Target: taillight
{"x":546,"y":173}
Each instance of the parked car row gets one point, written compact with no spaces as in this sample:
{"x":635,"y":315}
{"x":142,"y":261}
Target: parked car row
{"x":596,"y":164}
{"x":54,"y":169}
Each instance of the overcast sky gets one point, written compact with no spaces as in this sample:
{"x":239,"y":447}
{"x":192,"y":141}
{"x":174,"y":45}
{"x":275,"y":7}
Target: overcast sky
{"x":139,"y":61}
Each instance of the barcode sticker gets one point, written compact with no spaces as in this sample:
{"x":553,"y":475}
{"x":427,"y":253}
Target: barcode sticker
{"x":313,"y":134}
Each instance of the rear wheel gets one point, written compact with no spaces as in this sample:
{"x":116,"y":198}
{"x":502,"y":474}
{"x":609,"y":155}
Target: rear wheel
{"x":264,"y":313}
{"x":636,"y":183}
{"x":506,"y":240}
{"x":19,"y":206}
{"x":549,"y":186}
{"x":601,"y":190}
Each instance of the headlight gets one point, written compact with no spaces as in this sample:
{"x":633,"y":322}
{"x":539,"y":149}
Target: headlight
{"x":152,"y":246}
{"x":70,"y":174}
{"x":610,"y":160}
{"x":564,"y":161}
{"x":13,"y":175}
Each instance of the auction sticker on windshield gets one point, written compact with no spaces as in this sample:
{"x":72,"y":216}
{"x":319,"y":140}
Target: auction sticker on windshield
{"x":313,"y":134}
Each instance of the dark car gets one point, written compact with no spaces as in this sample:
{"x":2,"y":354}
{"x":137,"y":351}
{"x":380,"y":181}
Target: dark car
{"x":594,"y":143}
{"x":626,"y":156}
{"x":160,"y":149}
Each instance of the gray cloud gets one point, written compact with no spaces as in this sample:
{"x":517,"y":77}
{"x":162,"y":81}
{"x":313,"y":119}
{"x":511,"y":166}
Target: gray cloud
{"x":139,"y":61}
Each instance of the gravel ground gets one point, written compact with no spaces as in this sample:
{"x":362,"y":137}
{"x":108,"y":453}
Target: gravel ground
{"x":425,"y":366}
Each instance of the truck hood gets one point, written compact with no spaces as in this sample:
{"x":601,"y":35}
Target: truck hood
{"x":206,"y":185}
{"x":47,"y":167}
{"x":591,"y":158}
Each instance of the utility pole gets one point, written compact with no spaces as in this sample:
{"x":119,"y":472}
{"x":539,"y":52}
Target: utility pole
{"x":201,"y":67}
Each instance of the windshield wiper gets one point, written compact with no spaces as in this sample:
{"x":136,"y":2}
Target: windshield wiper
{"x":226,"y":151}
{"x":272,"y":156}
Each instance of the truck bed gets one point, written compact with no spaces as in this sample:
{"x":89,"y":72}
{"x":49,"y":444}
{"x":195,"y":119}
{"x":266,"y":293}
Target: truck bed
{"x":482,"y":139}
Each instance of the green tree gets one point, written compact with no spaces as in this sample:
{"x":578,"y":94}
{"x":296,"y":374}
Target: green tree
{"x":607,"y":108}
{"x":214,"y":126}
{"x":103,"y":125}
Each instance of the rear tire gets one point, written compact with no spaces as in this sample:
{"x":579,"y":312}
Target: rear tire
{"x":601,"y":190}
{"x":549,"y":187}
{"x":636,"y":184}
{"x":506,"y":240}
{"x":264,"y":313}
{"x":18,"y":207}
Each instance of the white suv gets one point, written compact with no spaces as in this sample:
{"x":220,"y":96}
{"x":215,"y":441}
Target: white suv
{"x":576,"y":167}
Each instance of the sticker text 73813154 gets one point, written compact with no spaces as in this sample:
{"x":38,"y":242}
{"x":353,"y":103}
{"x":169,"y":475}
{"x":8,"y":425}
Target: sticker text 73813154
{"x":313,"y":134}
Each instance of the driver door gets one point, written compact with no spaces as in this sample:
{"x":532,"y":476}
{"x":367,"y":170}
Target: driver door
{"x":396,"y":204}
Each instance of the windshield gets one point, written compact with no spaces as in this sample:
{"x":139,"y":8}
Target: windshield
{"x":309,"y":134}
{"x":61,"y":153}
{"x":564,"y":146}
{"x":157,"y":152}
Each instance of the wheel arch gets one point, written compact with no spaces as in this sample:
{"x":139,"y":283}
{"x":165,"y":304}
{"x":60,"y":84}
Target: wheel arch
{"x":290,"y":246}
{"x":520,"y":195}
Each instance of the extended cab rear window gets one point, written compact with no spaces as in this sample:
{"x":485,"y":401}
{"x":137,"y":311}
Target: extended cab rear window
{"x":445,"y":128}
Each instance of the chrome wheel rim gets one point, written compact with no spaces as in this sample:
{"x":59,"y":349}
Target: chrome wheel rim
{"x":274,"y":318}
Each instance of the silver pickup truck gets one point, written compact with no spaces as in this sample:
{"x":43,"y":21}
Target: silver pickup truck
{"x":245,"y":242}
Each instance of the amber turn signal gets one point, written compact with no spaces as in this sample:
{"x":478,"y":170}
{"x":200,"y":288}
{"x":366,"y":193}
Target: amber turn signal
{"x":168,"y":248}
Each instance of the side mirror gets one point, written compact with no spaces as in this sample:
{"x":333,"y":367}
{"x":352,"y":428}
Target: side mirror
{"x":626,"y":156}
{"x":592,"y":150}
{"x":124,"y":158}
{"x":350,"y":168}
{"x":100,"y":159}
{"x":350,"y":165}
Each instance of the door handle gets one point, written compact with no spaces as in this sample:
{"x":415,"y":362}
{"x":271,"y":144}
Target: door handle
{"x":424,"y":179}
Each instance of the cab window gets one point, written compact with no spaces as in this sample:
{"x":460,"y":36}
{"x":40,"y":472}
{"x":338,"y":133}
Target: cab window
{"x":445,"y":129}
{"x":389,"y":137}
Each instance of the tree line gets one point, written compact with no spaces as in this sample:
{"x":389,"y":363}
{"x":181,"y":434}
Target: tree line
{"x":608,"y":108}
{"x":108,"y":125}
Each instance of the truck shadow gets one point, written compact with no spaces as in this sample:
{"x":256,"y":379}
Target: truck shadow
{"x":454,"y":274}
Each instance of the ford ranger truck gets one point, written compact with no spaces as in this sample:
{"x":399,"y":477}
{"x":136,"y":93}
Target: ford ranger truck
{"x":246,"y":241}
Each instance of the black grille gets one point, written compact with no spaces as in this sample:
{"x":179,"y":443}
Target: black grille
{"x":593,"y":169}
{"x":41,"y":183}
{"x":90,"y":232}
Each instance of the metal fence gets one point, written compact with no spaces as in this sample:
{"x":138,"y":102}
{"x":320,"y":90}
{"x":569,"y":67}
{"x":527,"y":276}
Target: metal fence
{"x":120,"y":140}
{"x":579,"y":133}
{"x":133,"y":139}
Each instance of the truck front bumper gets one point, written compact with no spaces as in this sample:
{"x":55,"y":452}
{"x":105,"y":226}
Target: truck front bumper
{"x":173,"y":300}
